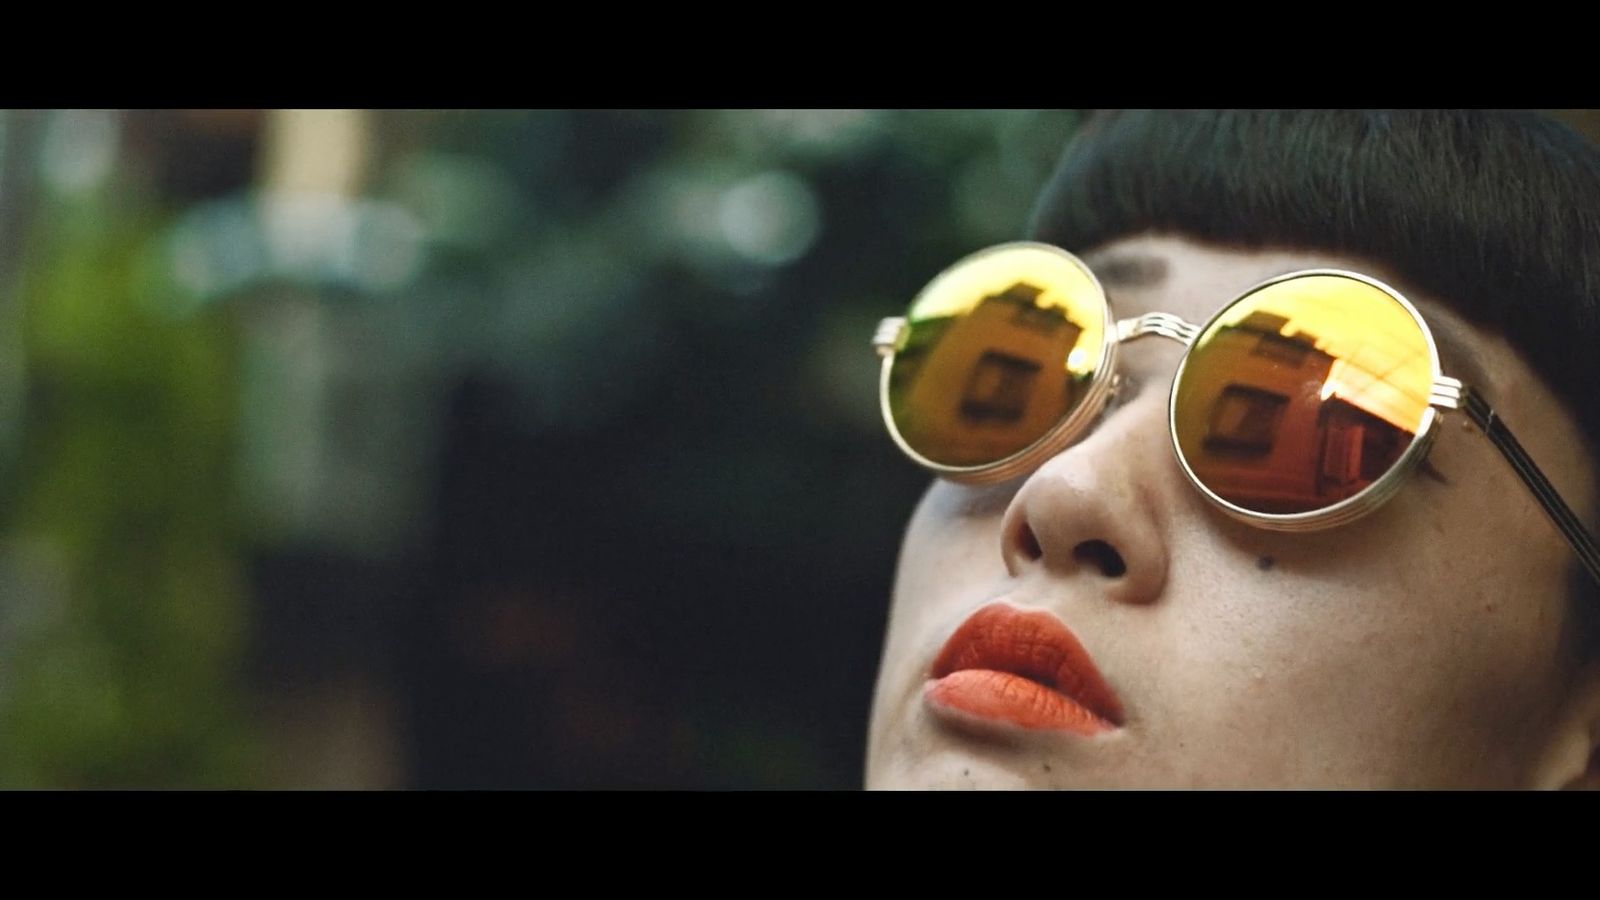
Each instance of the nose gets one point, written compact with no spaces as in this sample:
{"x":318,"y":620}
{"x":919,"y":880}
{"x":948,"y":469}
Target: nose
{"x":1098,"y":510}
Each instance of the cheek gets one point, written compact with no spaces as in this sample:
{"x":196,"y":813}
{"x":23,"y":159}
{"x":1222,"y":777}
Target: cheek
{"x":950,"y":559}
{"x":1376,"y":654}
{"x":952,"y":544}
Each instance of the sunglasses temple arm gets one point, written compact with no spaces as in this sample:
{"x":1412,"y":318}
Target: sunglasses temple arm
{"x":1484,"y":417}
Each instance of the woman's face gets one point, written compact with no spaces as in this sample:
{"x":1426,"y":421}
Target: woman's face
{"x":1420,"y":646}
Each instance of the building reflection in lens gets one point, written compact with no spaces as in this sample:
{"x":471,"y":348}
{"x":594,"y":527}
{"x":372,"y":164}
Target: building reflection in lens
{"x":1262,"y":422}
{"x":977,"y":387}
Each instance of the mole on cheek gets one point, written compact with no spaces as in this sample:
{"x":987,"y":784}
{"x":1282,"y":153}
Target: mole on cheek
{"x":1265,"y":562}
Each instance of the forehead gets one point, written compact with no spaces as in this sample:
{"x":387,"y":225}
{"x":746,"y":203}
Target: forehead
{"x":1175,"y":275}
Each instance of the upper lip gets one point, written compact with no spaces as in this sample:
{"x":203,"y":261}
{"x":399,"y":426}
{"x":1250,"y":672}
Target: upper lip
{"x":1035,"y":645}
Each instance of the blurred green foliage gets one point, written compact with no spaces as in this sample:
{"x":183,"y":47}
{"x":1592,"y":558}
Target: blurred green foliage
{"x":680,"y":303}
{"x":125,"y":622}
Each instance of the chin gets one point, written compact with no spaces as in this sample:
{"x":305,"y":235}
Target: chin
{"x":950,"y":769}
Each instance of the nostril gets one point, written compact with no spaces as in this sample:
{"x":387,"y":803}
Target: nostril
{"x":1101,"y":555}
{"x":1029,"y":542}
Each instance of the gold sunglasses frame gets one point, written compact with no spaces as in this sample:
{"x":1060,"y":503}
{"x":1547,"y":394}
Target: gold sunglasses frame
{"x":1446,"y":394}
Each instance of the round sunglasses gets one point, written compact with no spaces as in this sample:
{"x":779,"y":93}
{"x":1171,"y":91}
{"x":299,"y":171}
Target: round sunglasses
{"x":1304,"y":403}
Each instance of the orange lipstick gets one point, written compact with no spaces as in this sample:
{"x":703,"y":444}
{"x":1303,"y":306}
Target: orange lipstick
{"x":1022,"y":668}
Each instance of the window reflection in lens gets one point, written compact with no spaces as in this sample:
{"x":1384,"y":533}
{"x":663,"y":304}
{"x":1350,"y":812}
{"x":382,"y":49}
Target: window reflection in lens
{"x":1302,"y":394}
{"x":999,"y":349}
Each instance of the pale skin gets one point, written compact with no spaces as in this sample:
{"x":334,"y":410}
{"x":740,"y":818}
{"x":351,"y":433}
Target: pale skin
{"x":1422,"y":646}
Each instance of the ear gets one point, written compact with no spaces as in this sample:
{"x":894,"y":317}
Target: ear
{"x":1574,"y":761}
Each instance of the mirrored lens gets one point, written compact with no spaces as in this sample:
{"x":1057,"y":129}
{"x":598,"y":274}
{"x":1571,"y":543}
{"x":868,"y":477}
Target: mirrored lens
{"x":1000,"y":348}
{"x":1302,"y":394}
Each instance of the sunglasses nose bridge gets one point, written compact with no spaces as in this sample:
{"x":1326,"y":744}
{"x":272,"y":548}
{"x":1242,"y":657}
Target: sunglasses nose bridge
{"x":1156,"y":324}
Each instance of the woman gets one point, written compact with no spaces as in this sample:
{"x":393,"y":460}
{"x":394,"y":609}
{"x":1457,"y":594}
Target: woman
{"x":1107,"y":606}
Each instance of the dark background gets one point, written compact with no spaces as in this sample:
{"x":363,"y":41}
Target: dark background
{"x":462,"y":449}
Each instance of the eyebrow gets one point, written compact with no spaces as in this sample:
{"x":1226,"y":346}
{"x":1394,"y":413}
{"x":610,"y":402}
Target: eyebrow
{"x":1127,"y":270}
{"x":1122,"y":269}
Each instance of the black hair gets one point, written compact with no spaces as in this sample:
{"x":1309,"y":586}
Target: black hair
{"x":1496,"y":213}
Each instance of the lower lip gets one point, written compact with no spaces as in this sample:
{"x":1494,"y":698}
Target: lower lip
{"x":1006,"y":699}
